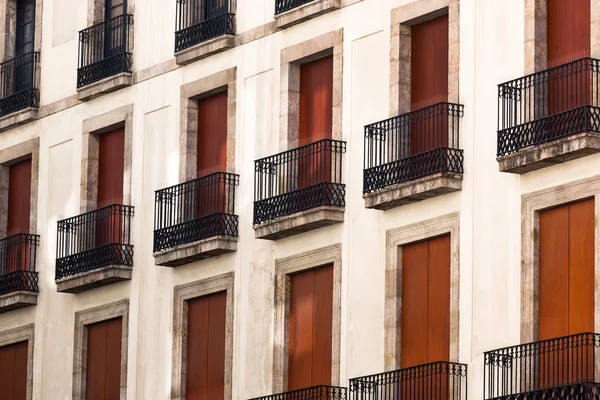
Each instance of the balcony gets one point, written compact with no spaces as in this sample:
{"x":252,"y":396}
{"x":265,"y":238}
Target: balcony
{"x":18,"y":275}
{"x":19,"y":90}
{"x":292,"y":12}
{"x":413,"y":157}
{"x":299,"y":190}
{"x":435,"y":381}
{"x":312,"y":393}
{"x":195,"y":220}
{"x":105,"y":57}
{"x":549,"y":117}
{"x":560,"y":368}
{"x":94,"y":249}
{"x":204,"y":28}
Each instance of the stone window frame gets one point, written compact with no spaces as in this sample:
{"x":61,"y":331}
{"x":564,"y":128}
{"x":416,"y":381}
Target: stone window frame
{"x":284,"y":267}
{"x":402,"y":236}
{"x":90,"y":151}
{"x":95,"y":11}
{"x":29,"y":149}
{"x":190,"y":93}
{"x":291,"y":59}
{"x":8,"y":23}
{"x":531,"y":205}
{"x":22,"y":334}
{"x":183,"y":294}
{"x":90,"y":316}
{"x":536,"y":34}
{"x":400,"y":49}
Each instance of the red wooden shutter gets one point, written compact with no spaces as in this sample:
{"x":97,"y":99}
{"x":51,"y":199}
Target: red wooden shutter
{"x":13,"y":371}
{"x":310,"y":334}
{"x":425,"y":316}
{"x":111,"y":168}
{"x":212,"y":152}
{"x":429,"y":82}
{"x":566,"y":297}
{"x":205,"y":356}
{"x":19,"y":197}
{"x":316,"y":105}
{"x":103,"y":370}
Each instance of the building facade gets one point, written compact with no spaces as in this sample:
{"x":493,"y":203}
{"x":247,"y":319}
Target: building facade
{"x":340,"y":199}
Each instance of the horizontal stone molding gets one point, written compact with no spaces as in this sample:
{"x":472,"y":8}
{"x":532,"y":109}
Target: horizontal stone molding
{"x":301,"y":222}
{"x":17,"y":300}
{"x":106,"y":85}
{"x":305,"y":12}
{"x":92,"y":279}
{"x":555,"y":152}
{"x":196,"y":251}
{"x":413,"y":191}
{"x":205,"y":49}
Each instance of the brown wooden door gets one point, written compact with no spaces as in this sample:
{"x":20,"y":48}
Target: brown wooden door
{"x":19,"y":211}
{"x":13,"y":371}
{"x":205,"y":356}
{"x":111,"y":168}
{"x":310,"y":331}
{"x":429,"y":82}
{"x":566,"y":297}
{"x":103,"y":368}
{"x":569,"y":39}
{"x":316,"y":100}
{"x":212,"y":152}
{"x":425,"y":329}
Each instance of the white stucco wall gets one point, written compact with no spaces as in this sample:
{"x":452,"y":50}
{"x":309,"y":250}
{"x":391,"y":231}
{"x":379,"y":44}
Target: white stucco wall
{"x":491,"y":52}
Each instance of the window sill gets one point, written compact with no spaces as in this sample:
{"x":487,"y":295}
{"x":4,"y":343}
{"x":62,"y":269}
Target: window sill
{"x":92,"y":279}
{"x":16,"y":300}
{"x":106,"y":85}
{"x":420,"y":189}
{"x":306,"y":12}
{"x":300,"y":222}
{"x":196,"y":251}
{"x":205,"y":49}
{"x":545,"y":155}
{"x":18,"y":118}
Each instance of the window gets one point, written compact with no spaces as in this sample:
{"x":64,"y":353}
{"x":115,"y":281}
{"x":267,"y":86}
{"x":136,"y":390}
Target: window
{"x":103,"y":370}
{"x":310,"y":331}
{"x":19,"y":198}
{"x":13,"y":371}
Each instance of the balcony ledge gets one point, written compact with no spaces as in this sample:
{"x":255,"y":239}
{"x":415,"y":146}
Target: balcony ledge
{"x":16,"y":300}
{"x":300,"y":222}
{"x":555,"y":152}
{"x":306,"y":12}
{"x":413,"y":191}
{"x":18,"y":118}
{"x":196,"y":251}
{"x":205,"y":49}
{"x":95,"y":278}
{"x":106,"y":85}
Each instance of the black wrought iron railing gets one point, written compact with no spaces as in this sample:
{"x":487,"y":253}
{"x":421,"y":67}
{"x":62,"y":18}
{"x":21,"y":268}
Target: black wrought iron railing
{"x":413,"y":145}
{"x":312,"y":393}
{"x":195,"y":210}
{"x":105,"y":50}
{"x":299,"y":179}
{"x":94,"y":240}
{"x":435,"y":381}
{"x":18,"y":254}
{"x":548,"y":105}
{"x":561,"y":368}
{"x":200,"y":20}
{"x":282,"y":6}
{"x":19,"y":83}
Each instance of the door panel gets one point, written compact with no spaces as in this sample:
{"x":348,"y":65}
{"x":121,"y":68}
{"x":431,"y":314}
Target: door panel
{"x":103,"y":370}
{"x":566,"y":290}
{"x":429,"y":83}
{"x":113,"y":359}
{"x":212,"y":152}
{"x":19,"y":197}
{"x":438,"y":311}
{"x":13,"y":371}
{"x":310,"y":333}
{"x":205,"y":356}
{"x":316,"y":118}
